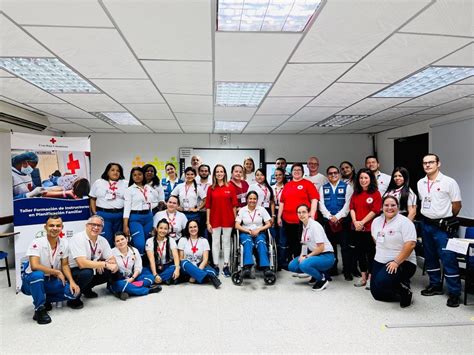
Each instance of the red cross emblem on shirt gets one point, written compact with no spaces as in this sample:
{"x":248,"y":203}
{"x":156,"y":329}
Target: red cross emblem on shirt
{"x":72,"y":164}
{"x":35,"y":246}
{"x":52,"y":140}
{"x":61,"y":234}
{"x":194,"y":249}
{"x":113,"y":187}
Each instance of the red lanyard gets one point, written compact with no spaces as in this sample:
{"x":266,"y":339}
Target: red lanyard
{"x":161,"y":250}
{"x":194,"y":248}
{"x":144,"y":192}
{"x":254,"y":212}
{"x":384,"y":223}
{"x":265,"y":191}
{"x":52,"y":258}
{"x":125,"y":263}
{"x":304,"y":239}
{"x":93,"y":250}
{"x":172,"y":221}
{"x":186,"y":189}
{"x":430,"y":186}
{"x":113,"y":187}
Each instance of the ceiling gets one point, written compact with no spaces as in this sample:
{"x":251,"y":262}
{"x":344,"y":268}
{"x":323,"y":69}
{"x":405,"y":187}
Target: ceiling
{"x":160,"y":61}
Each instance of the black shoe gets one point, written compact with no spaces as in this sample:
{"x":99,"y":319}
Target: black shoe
{"x":90,"y":294}
{"x":348,"y":277}
{"x":453,"y":301}
{"x":75,"y":304}
{"x":215,"y":281}
{"x":155,"y":289}
{"x":268,"y":273}
{"x":312,"y":280}
{"x":432,"y":290}
{"x":41,"y":316}
{"x":48,"y":306}
{"x":121,"y":295}
{"x":320,"y":285}
{"x":246,"y":271}
{"x":226,"y":271}
{"x":405,"y":296}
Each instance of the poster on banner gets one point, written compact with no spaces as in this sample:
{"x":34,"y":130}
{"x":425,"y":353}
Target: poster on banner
{"x":50,"y":175}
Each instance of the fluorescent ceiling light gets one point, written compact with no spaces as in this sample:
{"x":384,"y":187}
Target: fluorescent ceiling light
{"x":265,"y":15}
{"x":47,"y":73}
{"x":117,"y":118}
{"x":340,"y":120}
{"x":229,"y":126}
{"x":429,"y":79}
{"x":241,"y":94}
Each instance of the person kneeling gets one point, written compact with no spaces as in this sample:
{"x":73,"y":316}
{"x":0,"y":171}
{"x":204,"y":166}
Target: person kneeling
{"x":130,"y":280}
{"x":194,"y":255}
{"x":47,"y":278}
{"x":317,"y":254}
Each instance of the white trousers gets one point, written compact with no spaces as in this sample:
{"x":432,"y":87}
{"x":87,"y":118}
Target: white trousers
{"x":216,"y":244}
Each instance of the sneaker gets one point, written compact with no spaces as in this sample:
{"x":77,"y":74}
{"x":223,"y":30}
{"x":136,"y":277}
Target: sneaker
{"x":215,"y":280}
{"x":246,"y":271}
{"x":348,"y":277}
{"x":48,"y":306}
{"x":405,"y":296}
{"x":432,"y":290}
{"x":303,"y":276}
{"x":320,"y":285}
{"x":75,"y":304}
{"x":295,"y":275}
{"x":41,"y":316}
{"x":367,"y":285}
{"x":453,"y":301}
{"x":226,"y":271}
{"x":90,"y":294}
{"x":311,"y":281}
{"x":360,"y":283}
{"x":154,"y":289}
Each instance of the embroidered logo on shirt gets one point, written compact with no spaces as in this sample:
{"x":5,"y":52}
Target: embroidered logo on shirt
{"x":369,"y":200}
{"x":300,"y":187}
{"x":35,"y":246}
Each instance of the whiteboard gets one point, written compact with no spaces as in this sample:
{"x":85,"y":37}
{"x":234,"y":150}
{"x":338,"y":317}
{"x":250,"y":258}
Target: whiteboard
{"x":454,"y":144}
{"x":226,"y":157}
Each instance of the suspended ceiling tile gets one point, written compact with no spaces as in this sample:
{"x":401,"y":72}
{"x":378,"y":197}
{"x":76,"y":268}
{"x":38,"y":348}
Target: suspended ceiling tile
{"x":22,"y":91}
{"x":448,"y":93}
{"x":411,"y":119}
{"x":194,"y":119}
{"x":267,"y":120}
{"x":90,"y":123}
{"x":282,"y":105}
{"x":15,"y":103}
{"x":345,"y":94}
{"x":5,"y":74}
{"x":62,"y":110}
{"x":294,"y":126}
{"x":107,"y":130}
{"x":315,"y":114}
{"x":130,"y":91}
{"x":370,"y":106}
{"x":197,"y":129}
{"x":181,"y":77}
{"x":394,"y":112}
{"x":92,"y":102}
{"x":150,"y":111}
{"x":162,"y":125}
{"x":400,"y":56}
{"x":343,"y":131}
{"x":445,"y":17}
{"x":179,"y":29}
{"x":53,"y":119}
{"x":307,"y":79}
{"x":376,"y":129}
{"x":468,"y":81}
{"x":316,"y":130}
{"x":16,"y":43}
{"x":95,"y":53}
{"x":462,"y":57}
{"x":234,"y":113}
{"x":258,"y":129}
{"x":252,"y":57}
{"x":450,"y":107}
{"x":190,"y":103}
{"x":344,"y":32}
{"x":56,"y":13}
{"x":70,"y":127}
{"x":134,"y":129}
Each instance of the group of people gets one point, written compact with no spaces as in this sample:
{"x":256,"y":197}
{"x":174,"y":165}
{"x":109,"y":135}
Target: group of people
{"x":145,"y":232}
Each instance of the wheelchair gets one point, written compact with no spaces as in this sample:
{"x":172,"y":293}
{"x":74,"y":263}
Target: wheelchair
{"x":237,"y":258}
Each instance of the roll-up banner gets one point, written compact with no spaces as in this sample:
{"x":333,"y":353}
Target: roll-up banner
{"x":50,"y":176}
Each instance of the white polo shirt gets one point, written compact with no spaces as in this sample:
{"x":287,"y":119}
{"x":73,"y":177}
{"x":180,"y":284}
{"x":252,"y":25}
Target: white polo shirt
{"x":437,"y":196}
{"x":137,"y":199}
{"x":48,"y":257}
{"x":397,"y":194}
{"x":81,"y":245}
{"x":161,"y":248}
{"x":252,"y":220}
{"x":130,"y":263}
{"x":176,"y":220}
{"x":193,"y":249}
{"x":318,"y":180}
{"x":109,"y":194}
{"x":391,"y":236}
{"x":158,"y":195}
{"x":263,"y":193}
{"x":383,"y":180}
{"x":277,"y":190}
{"x":313,"y":234}
{"x":188,"y":196}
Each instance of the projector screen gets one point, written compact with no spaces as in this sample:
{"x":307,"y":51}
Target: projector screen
{"x":454,"y":144}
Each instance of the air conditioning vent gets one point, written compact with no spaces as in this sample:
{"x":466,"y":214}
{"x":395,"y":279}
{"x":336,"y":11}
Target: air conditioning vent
{"x":13,"y":117}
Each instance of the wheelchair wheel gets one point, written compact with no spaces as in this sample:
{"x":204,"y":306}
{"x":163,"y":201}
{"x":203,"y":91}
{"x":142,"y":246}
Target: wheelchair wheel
{"x":272,"y":250}
{"x":234,"y":253}
{"x":237,"y":278}
{"x":270,"y":280}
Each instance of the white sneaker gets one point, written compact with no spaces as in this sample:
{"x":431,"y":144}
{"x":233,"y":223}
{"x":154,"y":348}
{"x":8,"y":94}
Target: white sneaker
{"x":367,"y":285}
{"x":303,"y":276}
{"x":295,"y":275}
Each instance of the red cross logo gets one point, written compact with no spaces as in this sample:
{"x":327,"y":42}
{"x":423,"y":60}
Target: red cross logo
{"x":113,"y":187}
{"x":61,"y":234}
{"x":52,"y":140}
{"x":72,"y":164}
{"x":194,"y":249}
{"x":35,"y":246}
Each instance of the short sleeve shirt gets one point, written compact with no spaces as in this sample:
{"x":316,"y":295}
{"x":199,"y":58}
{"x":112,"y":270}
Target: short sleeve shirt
{"x":81,"y":245}
{"x":48,"y":257}
{"x":109,"y":194}
{"x":296,"y":193}
{"x":193,"y":249}
{"x":254,"y":219}
{"x":130,"y":263}
{"x":161,"y":248}
{"x":314,"y":234}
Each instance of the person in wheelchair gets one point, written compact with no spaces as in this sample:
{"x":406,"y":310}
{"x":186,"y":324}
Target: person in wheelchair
{"x":252,"y":222}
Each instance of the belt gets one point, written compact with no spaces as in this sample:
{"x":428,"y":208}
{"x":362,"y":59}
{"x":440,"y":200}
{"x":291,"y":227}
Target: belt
{"x":110,"y":210}
{"x":140,"y":212}
{"x":434,"y":222}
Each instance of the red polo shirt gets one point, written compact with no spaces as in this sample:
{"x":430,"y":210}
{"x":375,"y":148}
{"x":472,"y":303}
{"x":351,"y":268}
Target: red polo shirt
{"x":364,"y":203}
{"x":241,"y":192}
{"x":221,"y":200}
{"x":296,"y":193}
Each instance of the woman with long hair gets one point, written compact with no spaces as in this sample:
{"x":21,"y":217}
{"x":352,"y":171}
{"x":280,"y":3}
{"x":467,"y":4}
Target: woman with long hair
{"x":192,"y":197}
{"x":152,"y":179}
{"x":249,"y":170}
{"x":280,"y":180}
{"x":348,"y":172}
{"x":176,"y":219}
{"x":399,"y":187}
{"x":264,"y":192}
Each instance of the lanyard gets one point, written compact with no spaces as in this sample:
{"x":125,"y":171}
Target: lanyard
{"x":194,"y":248}
{"x":113,"y":187}
{"x":186,"y":189}
{"x":430,"y":186}
{"x":172,"y":221}
{"x":52,"y":254}
{"x":253,"y":217}
{"x":144,"y":192}
{"x":161,"y":250}
{"x":278,"y":193}
{"x":265,"y":191}
{"x":93,"y":250}
{"x":304,"y":239}
{"x":125,"y":263}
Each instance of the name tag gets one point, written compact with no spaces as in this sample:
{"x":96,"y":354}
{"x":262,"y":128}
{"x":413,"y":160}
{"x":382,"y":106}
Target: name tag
{"x":304,"y":249}
{"x":109,"y":196}
{"x":380,"y":237}
{"x":427,"y":203}
{"x":243,"y":200}
{"x":266,"y":204}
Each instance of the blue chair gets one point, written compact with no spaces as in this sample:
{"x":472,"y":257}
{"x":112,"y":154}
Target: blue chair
{"x":4,"y":255}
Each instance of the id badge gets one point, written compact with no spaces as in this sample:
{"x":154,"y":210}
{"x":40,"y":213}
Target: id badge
{"x":145,"y":206}
{"x":427,"y":203}
{"x":380,"y":237}
{"x":304,"y":249}
{"x":252,"y":227}
{"x":266,"y":205}
{"x":173,"y":235}
{"x":243,"y":199}
{"x":109,"y":195}
{"x":186,"y":203}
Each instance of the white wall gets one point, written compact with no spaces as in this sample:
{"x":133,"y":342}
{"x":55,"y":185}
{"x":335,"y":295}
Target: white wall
{"x":124,"y":148}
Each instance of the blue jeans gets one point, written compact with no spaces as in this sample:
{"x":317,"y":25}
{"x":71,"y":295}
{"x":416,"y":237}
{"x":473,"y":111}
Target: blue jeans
{"x":142,"y":225}
{"x":113,"y":222}
{"x":385,"y":286}
{"x":313,"y":265}
{"x":260,"y":243}
{"x":45,"y":288}
{"x":123,"y":286}
{"x":282,"y":246}
{"x":165,"y":274}
{"x":434,"y":244}
{"x":196,"y":273}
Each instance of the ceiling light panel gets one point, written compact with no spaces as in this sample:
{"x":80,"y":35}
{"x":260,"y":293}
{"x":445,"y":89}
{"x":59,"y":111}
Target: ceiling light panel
{"x":47,"y":73}
{"x":241,"y":94}
{"x":339,"y":35}
{"x":265,"y":15}
{"x":340,"y":120}
{"x":117,"y":118}
{"x":93,"y":52}
{"x":429,"y":79}
{"x":229,"y":126}
{"x":130,"y":91}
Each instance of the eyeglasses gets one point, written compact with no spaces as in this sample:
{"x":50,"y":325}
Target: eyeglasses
{"x":431,"y":162}
{"x":95,"y":225}
{"x":333,"y":173}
